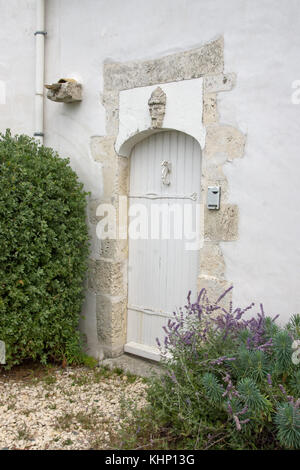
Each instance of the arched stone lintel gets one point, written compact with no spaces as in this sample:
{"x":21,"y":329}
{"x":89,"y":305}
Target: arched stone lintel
{"x":124,"y":149}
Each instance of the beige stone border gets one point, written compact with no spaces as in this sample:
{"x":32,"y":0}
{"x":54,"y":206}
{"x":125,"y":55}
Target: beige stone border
{"x":108,"y":270}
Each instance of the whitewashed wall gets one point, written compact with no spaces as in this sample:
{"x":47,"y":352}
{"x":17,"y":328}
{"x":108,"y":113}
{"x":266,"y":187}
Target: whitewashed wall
{"x":17,"y":62}
{"x":262,"y":44}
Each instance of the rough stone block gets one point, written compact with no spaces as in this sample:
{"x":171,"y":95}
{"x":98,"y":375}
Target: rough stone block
{"x":111,"y":319}
{"x":95,"y":242}
{"x":224,"y":139}
{"x":102,"y":148}
{"x":221,"y":225}
{"x":110,"y":100}
{"x":214,"y":289}
{"x":92,"y":208}
{"x":211,"y":261}
{"x":122,"y":179}
{"x":213,"y":166}
{"x":103,"y":151}
{"x":208,"y":59}
{"x":114,"y":249}
{"x":65,"y":91}
{"x":220,"y":82}
{"x":108,"y":277}
{"x":210,"y":111}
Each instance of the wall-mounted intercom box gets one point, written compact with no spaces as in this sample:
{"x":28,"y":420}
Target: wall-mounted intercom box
{"x":213,"y":197}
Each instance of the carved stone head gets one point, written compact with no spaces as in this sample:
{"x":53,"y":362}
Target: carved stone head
{"x":157,"y":107}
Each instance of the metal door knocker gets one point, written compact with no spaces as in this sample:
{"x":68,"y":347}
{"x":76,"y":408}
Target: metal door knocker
{"x":165,"y":172}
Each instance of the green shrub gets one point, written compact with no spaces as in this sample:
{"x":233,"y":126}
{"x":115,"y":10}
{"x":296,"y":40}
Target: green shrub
{"x":43,"y":257}
{"x":229,"y":383}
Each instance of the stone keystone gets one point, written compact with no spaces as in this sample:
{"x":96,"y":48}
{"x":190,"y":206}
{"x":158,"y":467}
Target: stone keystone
{"x":157,"y":107}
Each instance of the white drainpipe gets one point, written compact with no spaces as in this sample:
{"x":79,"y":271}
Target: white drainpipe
{"x":39,"y":70}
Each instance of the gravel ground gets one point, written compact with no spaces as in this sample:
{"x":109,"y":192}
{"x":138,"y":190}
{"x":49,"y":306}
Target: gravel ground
{"x":71,"y":408}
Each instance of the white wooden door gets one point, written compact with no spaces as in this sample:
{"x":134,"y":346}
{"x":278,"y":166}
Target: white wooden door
{"x":161,"y":271}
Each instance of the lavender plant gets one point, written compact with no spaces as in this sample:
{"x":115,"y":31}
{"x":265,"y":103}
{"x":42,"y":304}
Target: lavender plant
{"x":230,"y":380}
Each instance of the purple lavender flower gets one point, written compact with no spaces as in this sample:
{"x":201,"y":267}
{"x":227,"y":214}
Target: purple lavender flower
{"x":243,"y":411}
{"x":237,"y":422}
{"x":235,"y":416}
{"x":224,"y":294}
{"x":230,"y":389}
{"x":220,"y":360}
{"x":173,"y":377}
{"x":269,"y":379}
{"x":230,"y":323}
{"x":265,"y":346}
{"x":245,"y":421}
